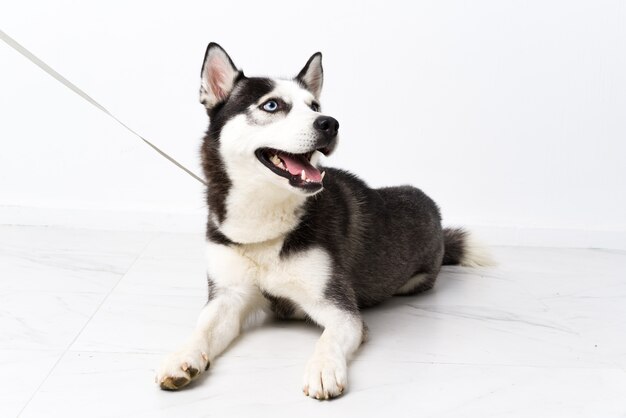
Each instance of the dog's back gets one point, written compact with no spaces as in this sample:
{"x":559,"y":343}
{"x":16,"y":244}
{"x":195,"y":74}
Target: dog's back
{"x":378,"y":238}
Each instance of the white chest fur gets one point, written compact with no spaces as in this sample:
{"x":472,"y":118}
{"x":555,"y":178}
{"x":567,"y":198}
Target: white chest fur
{"x":254,"y":218}
{"x":301,"y":277}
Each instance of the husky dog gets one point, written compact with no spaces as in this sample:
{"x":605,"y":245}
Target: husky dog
{"x":288,"y":236}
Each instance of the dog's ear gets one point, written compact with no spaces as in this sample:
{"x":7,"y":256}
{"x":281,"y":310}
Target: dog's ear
{"x":218,"y":76}
{"x":312,"y":75}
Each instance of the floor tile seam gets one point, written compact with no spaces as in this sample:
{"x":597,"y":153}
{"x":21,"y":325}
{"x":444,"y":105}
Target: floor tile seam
{"x":102,"y":302}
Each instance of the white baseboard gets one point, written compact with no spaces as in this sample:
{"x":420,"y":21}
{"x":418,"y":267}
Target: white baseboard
{"x":193,"y":222}
{"x":116,"y":220}
{"x":551,"y":237}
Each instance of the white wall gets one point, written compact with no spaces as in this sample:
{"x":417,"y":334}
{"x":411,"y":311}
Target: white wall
{"x":509,"y":114}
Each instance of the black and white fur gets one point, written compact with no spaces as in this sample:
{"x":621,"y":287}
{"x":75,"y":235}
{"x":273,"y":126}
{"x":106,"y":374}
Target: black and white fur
{"x":320,"y":250}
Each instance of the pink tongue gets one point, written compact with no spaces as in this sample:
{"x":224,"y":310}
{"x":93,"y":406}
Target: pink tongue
{"x":295,"y":165}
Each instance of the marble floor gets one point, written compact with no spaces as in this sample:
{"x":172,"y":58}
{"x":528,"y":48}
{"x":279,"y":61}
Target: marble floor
{"x":85,"y":317}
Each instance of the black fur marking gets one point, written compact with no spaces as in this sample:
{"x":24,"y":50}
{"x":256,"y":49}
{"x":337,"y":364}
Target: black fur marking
{"x":218,"y":182}
{"x":339,"y":290}
{"x":378,"y":238}
{"x":212,"y":289}
{"x":282,"y":307}
{"x":213,"y":234}
{"x":454,"y":243}
{"x":246,"y":92}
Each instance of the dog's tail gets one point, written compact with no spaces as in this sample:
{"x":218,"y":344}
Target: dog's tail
{"x":460,"y":248}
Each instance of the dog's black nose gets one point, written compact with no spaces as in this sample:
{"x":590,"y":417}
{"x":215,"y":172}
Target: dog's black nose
{"x":326,"y":125}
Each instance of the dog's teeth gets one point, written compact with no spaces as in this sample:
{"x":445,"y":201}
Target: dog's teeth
{"x":303,"y":175}
{"x":275,"y":160}
{"x":323,"y":174}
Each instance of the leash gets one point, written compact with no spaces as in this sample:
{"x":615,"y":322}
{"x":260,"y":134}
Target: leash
{"x":41,"y":64}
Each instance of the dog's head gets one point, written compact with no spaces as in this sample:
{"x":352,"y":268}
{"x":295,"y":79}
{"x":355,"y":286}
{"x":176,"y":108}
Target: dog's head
{"x":269,"y":131}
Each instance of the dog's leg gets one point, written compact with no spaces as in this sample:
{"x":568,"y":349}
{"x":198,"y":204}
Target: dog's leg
{"x":219,"y":323}
{"x":326,"y":374}
{"x":418,"y":283}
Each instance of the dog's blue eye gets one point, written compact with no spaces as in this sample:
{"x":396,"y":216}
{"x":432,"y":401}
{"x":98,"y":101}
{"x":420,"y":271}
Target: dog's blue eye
{"x":270,"y":106}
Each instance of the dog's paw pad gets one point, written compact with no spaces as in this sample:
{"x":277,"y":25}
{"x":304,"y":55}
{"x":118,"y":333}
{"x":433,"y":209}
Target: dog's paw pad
{"x":325,"y":377}
{"x":178,"y":369}
{"x":174,"y":383}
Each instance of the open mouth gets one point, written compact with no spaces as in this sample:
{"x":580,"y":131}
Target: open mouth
{"x":297,"y":168}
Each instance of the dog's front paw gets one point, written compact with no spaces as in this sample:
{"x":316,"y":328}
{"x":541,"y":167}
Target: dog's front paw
{"x":181,"y":367}
{"x":326,"y":376}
